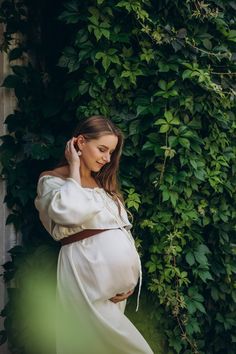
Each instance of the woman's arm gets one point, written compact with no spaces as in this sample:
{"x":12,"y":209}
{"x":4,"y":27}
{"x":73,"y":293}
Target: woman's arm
{"x":65,"y":203}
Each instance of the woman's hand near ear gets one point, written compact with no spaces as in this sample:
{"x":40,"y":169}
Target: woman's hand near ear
{"x":72,"y":156}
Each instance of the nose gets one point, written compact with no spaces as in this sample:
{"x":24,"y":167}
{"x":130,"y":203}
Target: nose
{"x":107,"y":157}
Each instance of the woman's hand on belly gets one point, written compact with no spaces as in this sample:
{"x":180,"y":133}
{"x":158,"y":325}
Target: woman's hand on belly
{"x":121,"y":297}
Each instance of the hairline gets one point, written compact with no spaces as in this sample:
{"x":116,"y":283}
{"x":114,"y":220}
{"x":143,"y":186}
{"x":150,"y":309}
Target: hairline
{"x":99,"y":135}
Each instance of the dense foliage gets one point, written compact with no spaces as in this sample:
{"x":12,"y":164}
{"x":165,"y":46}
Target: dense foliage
{"x":164,"y":72}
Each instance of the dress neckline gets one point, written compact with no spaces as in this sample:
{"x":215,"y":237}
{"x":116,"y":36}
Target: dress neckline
{"x":64,"y":179}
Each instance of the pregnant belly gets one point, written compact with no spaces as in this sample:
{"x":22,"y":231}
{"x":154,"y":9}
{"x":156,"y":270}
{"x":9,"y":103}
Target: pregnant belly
{"x":107,"y":264}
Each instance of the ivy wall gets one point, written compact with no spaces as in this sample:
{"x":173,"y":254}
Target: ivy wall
{"x":164,"y":72}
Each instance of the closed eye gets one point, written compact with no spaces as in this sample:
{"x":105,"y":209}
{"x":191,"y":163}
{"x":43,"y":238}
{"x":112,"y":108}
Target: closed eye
{"x":103,"y":150}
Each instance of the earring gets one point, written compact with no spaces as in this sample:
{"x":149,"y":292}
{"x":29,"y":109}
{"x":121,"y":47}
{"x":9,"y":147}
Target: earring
{"x":79,"y":153}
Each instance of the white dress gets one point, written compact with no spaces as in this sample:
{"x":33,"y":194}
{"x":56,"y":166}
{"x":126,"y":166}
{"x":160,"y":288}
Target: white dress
{"x":91,"y":271}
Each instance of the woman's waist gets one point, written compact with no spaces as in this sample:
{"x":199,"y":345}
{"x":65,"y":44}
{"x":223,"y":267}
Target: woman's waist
{"x":59,"y":231}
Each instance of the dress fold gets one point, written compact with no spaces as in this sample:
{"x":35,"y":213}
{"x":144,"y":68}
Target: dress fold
{"x":91,"y":271}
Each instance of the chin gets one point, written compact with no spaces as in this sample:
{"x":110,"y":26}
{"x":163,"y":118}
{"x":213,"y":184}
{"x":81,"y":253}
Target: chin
{"x":99,"y":167}
{"x":96,"y":169}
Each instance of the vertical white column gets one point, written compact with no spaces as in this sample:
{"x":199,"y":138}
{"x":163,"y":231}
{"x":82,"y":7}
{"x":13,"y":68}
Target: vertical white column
{"x":8,"y":237}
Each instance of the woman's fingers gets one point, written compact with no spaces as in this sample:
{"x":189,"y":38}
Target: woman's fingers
{"x":71,"y":145}
{"x":121,"y":297}
{"x":70,"y":151}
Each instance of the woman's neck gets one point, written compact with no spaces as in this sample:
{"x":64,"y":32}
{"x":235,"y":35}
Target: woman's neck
{"x":86,"y":178}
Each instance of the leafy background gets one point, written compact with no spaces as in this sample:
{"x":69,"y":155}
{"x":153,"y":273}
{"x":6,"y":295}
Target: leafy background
{"x":165,"y":73}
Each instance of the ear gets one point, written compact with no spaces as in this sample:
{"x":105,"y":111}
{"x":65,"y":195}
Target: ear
{"x":80,"y":141}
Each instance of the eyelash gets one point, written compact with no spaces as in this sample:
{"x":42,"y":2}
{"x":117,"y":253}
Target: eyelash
{"x":102,"y":150}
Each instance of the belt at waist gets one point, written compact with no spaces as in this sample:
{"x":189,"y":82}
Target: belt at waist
{"x":81,"y":236}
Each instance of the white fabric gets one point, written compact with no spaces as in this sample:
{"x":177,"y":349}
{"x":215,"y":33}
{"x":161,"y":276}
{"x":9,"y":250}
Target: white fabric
{"x":91,"y":271}
{"x":66,"y":208}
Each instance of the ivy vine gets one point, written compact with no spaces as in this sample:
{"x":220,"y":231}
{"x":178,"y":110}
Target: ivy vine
{"x":165,"y":73}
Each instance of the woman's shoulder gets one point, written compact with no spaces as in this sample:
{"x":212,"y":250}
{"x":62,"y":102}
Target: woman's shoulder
{"x":61,"y":172}
{"x":51,"y":179}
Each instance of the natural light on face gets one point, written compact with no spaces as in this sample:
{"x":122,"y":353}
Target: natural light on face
{"x":97,"y":152}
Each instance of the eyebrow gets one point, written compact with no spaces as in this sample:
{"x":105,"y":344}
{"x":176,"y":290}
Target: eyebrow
{"x":106,"y":147}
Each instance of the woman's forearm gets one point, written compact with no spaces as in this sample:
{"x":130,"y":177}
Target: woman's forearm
{"x":75,"y":172}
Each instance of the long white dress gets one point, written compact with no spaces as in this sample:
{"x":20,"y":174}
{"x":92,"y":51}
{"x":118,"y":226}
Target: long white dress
{"x":91,"y":271}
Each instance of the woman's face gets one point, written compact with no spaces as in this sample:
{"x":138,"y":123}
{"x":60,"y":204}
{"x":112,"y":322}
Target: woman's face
{"x":97,"y":152}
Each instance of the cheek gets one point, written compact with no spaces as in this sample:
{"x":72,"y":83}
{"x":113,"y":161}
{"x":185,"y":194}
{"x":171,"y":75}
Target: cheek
{"x":91,"y":152}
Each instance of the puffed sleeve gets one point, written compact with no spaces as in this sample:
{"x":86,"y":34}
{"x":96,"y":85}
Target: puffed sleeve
{"x":66,"y":203}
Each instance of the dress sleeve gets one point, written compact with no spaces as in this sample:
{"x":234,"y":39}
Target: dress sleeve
{"x":66,"y":204}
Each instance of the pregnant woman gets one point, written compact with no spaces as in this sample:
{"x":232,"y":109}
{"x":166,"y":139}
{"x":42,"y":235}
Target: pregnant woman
{"x":80,"y":205}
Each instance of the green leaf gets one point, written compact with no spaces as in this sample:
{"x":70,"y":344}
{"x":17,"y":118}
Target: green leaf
{"x":69,"y":17}
{"x":95,"y":17}
{"x":164,"y":128}
{"x":173,"y":198}
{"x":186,"y":74}
{"x":190,"y":258}
{"x":117,"y":82}
{"x":207,"y":43}
{"x":160,"y":121}
{"x":162,"y":85}
{"x":170,"y":84}
{"x":215,"y":294}
{"x":141,"y":110}
{"x":200,"y":174}
{"x":193,"y":164}
{"x":200,"y":258}
{"x":203,"y":249}
{"x":105,"y":33}
{"x":99,"y":55}
{"x":173,"y":141}
{"x":191,"y":306}
{"x":106,"y":61}
{"x":168,"y":115}
{"x":98,"y":34}
{"x":148,"y":146}
{"x":174,"y":121}
{"x":134,"y":127}
{"x":184,"y":142}
{"x":11,"y":81}
{"x":232,"y":35}
{"x":83,"y":87}
{"x":200,"y":307}
{"x":71,"y":5}
{"x":205,"y":275}
{"x":165,"y":195}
